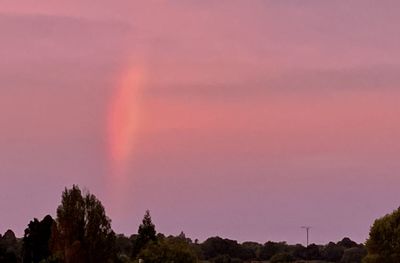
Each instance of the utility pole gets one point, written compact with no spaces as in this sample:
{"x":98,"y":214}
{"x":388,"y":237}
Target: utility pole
{"x":307,"y":228}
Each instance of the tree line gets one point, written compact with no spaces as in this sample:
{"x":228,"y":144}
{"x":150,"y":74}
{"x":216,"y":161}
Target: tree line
{"x":81,"y":233}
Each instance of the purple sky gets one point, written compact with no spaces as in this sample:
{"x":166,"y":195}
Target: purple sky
{"x":244,"y":119}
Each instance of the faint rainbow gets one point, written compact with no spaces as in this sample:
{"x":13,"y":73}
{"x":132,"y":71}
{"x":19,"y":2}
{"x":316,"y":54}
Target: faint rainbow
{"x":123,"y":118}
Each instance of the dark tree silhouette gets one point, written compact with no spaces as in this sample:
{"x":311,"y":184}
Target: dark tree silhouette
{"x":270,"y":249}
{"x":354,"y":254}
{"x":282,"y":258}
{"x":10,"y":248}
{"x":170,"y":249}
{"x":332,"y":252}
{"x":216,"y":246}
{"x":146,"y":233}
{"x":82,"y":234}
{"x":36,"y":241}
{"x":347,"y":243}
{"x":84,"y":231}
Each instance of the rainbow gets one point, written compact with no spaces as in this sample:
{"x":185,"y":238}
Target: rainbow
{"x":123,"y":114}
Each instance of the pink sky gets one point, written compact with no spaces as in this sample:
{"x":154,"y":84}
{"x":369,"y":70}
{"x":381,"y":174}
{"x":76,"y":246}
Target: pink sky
{"x":234,"y":118}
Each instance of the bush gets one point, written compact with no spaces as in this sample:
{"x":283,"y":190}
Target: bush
{"x":383,"y":245}
{"x":282,"y":258}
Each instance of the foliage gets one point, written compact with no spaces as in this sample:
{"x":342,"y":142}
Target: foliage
{"x":83,"y":232}
{"x":383,"y":245}
{"x":123,"y":246}
{"x":171,"y":249}
{"x":36,"y":240}
{"x":353,"y":255}
{"x":312,"y":252}
{"x":282,"y":258}
{"x":10,"y":248}
{"x":347,"y":243}
{"x":269,"y":249}
{"x":332,"y":252}
{"x":250,"y":250}
{"x":215,"y":246}
{"x":146,"y":234}
{"x":226,"y":259}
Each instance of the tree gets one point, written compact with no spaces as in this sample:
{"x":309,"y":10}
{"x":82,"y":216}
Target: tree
{"x":354,"y":255}
{"x":147,"y":230}
{"x":36,"y":241}
{"x":182,"y":236}
{"x":146,"y":233}
{"x":347,"y":243}
{"x":216,"y":246}
{"x":222,"y":259}
{"x":10,"y":248}
{"x":282,"y":258}
{"x":166,"y":250}
{"x":250,"y":250}
{"x":332,"y":252}
{"x":123,"y":246}
{"x":270,"y":248}
{"x":312,"y":252}
{"x":298,"y":251}
{"x":383,"y":244}
{"x":84,"y":231}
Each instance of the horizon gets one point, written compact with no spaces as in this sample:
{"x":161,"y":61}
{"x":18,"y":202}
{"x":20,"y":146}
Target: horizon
{"x":304,"y":244}
{"x":232,"y":119}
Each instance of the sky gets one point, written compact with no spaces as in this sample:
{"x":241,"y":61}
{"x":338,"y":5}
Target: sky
{"x":242,"y":119}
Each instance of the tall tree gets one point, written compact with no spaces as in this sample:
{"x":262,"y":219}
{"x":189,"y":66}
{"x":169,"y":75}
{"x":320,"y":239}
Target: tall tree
{"x":84,"y":231}
{"x":146,"y":233}
{"x":99,"y":238}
